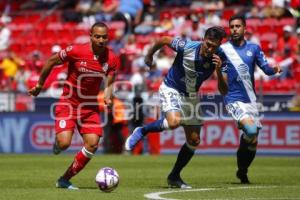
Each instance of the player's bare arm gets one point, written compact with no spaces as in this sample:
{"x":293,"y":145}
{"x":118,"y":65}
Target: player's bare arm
{"x":277,"y":69}
{"x":165,"y":40}
{"x":108,"y":90}
{"x":222,"y":79}
{"x":50,"y":63}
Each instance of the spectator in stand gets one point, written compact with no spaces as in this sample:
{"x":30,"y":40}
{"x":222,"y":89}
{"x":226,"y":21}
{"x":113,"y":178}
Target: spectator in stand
{"x":249,"y":36}
{"x":165,"y":23}
{"x":212,"y":18}
{"x":287,"y":40}
{"x":130,"y":12}
{"x":150,"y":20}
{"x":107,"y":11}
{"x":4,"y":39}
{"x":10,"y":64}
{"x":118,"y":43}
{"x":196,"y":30}
{"x":287,"y":61}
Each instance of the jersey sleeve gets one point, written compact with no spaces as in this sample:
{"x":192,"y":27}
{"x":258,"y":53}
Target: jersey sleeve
{"x":178,"y":44}
{"x":114,"y":66}
{"x":67,"y":54}
{"x":262,"y":62}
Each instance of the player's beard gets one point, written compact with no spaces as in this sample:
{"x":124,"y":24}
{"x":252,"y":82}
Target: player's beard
{"x":237,"y":39}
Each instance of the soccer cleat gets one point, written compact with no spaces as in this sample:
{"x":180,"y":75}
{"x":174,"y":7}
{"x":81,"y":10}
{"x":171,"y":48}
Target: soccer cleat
{"x":243,"y":177}
{"x":62,"y":183}
{"x":133,"y":139}
{"x":55,"y":149}
{"x":177,"y":183}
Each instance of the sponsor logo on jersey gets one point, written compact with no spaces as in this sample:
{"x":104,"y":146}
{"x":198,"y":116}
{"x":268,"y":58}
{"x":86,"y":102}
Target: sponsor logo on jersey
{"x":85,"y":70}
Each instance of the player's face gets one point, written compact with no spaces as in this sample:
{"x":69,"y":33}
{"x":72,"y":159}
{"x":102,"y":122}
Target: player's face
{"x":209,"y":47}
{"x":99,"y":36}
{"x":237,"y":29}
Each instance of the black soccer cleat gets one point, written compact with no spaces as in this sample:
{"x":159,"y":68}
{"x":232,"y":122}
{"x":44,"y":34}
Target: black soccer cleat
{"x":177,"y":182}
{"x":243,"y":177}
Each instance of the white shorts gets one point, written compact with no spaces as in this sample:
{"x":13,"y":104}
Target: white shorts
{"x":239,"y":111}
{"x":172,"y":100}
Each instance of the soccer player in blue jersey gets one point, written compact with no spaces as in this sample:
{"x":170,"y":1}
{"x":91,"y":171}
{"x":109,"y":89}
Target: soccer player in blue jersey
{"x":240,"y":100}
{"x":194,"y":63}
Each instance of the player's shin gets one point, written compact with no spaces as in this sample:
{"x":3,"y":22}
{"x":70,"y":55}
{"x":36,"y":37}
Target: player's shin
{"x":156,"y":126}
{"x":80,"y":161}
{"x":245,"y":154}
{"x":184,"y":156}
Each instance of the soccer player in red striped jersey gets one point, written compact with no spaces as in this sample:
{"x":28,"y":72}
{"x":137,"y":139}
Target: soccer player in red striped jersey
{"x":88,"y":65}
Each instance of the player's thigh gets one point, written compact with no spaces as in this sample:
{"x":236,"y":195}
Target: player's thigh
{"x":65,"y":122}
{"x":192,"y":134}
{"x":244,"y":113}
{"x":64,"y":138}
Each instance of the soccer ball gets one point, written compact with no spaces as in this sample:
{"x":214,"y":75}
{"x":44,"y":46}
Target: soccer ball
{"x":107,"y":179}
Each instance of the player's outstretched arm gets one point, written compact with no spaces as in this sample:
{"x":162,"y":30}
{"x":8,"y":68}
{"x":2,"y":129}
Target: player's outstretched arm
{"x":50,"y":63}
{"x":165,"y":40}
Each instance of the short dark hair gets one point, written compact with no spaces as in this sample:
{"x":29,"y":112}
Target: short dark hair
{"x":215,"y":32}
{"x":98,"y":24}
{"x":239,"y":17}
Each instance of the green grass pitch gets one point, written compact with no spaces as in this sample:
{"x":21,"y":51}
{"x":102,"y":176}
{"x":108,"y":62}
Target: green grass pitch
{"x":32,"y":177}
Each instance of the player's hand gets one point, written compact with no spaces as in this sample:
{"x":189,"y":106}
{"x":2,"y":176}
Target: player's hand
{"x":108,"y":102}
{"x":149,"y":60}
{"x":277,"y":69}
{"x":216,"y":60}
{"x":35,"y":90}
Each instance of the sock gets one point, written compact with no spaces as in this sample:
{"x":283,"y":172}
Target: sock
{"x":156,"y":126}
{"x":184,"y":156}
{"x":80,"y":160}
{"x":245,"y":155}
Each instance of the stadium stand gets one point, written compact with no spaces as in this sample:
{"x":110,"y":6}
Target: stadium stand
{"x":38,"y":27}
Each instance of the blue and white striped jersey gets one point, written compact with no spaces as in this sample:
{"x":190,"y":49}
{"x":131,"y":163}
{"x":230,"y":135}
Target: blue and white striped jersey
{"x":189,"y":69}
{"x":241,"y":62}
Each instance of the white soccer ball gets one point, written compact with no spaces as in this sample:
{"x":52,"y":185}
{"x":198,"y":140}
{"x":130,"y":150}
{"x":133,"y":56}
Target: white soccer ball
{"x":107,"y":179}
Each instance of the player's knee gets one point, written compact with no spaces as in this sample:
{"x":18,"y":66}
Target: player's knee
{"x":193,"y":142}
{"x":174,"y":123}
{"x":251,"y":130}
{"x":91,"y":147}
{"x":63,"y":144}
{"x":253,"y":146}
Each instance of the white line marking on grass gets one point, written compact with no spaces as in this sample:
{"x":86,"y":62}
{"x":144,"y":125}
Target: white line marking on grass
{"x":156,"y":195}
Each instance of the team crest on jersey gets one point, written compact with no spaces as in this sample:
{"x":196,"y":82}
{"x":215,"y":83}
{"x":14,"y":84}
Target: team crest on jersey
{"x":105,"y":67}
{"x":249,"y":53}
{"x":181,"y":43}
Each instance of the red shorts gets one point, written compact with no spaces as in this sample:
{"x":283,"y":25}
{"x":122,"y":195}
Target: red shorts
{"x":87,"y":120}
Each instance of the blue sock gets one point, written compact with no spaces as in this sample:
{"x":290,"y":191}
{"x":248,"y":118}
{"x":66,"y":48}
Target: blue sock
{"x":156,"y":126}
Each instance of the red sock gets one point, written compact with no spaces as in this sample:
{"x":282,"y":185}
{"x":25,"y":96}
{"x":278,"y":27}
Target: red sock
{"x":80,"y":160}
